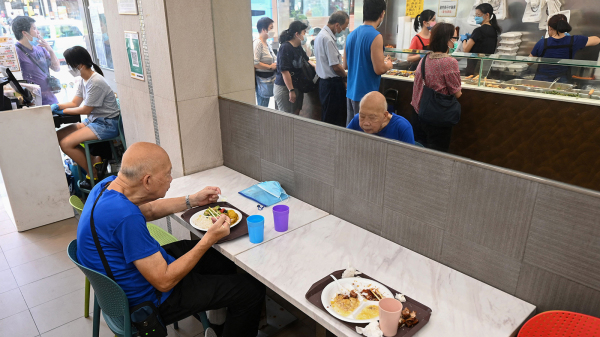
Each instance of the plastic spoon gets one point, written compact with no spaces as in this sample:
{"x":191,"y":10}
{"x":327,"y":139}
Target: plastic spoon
{"x":338,"y":283}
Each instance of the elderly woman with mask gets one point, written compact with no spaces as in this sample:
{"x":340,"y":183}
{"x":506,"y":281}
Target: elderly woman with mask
{"x":264,"y":62}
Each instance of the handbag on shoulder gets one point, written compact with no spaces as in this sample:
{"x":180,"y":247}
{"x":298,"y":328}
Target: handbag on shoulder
{"x":306,"y":79}
{"x":436,"y":108}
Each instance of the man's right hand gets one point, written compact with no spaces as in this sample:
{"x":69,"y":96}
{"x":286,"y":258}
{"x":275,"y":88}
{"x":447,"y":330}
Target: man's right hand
{"x":218,"y":230}
{"x":293,"y":96}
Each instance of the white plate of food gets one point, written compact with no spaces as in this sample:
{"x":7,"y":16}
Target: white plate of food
{"x":202,"y":219}
{"x":359,"y":303}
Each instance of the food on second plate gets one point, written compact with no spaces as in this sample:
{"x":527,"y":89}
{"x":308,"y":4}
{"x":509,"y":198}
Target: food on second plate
{"x":229,"y":212}
{"x":369,"y":312}
{"x":408,"y":318}
{"x":371,"y":294}
{"x":344,"y":304}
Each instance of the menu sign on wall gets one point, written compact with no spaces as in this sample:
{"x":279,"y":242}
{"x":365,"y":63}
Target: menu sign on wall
{"x":447,"y":8}
{"x":8,"y":54}
{"x":414,"y":7}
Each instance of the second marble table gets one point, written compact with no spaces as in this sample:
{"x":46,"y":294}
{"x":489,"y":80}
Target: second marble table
{"x":462,"y":306}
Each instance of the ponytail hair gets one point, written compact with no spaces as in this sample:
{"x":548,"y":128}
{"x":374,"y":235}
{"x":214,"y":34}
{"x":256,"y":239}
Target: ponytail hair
{"x":76,"y":56}
{"x":559,"y":23}
{"x":288,"y":34}
{"x":488,"y":9}
{"x":425,"y":16}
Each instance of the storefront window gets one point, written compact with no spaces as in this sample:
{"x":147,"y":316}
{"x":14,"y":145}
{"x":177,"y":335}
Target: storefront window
{"x":61,"y":23}
{"x":315,"y":13}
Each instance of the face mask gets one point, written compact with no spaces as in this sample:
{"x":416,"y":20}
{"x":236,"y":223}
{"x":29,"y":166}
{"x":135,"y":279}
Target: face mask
{"x":34,"y":41}
{"x":453,"y":49}
{"x":274,"y":189}
{"x":340,"y":34}
{"x":271,"y":34}
{"x":75,"y":72}
{"x":479,"y":20}
{"x":431,"y":24}
{"x":303,"y":41}
{"x":381,"y":23}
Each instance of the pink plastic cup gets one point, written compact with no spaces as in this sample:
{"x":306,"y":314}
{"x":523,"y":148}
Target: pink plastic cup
{"x":390,"y":310}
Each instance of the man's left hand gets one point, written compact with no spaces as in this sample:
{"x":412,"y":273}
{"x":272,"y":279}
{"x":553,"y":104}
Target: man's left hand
{"x":44,"y":44}
{"x":207,"y":196}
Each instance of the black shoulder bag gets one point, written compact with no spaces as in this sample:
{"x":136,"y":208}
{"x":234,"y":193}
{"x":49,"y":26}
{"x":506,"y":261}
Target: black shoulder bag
{"x":53,"y":82}
{"x":436,"y":108}
{"x":144,"y":316}
{"x":305,"y":79}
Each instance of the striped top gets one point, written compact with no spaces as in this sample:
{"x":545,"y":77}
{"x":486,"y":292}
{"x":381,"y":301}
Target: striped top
{"x":263,"y":54}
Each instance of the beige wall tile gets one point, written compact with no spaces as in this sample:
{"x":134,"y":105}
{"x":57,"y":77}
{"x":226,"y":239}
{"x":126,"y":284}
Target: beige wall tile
{"x":233,"y":45}
{"x":158,"y":48}
{"x":244,"y":96}
{"x":137,"y":116}
{"x":168,"y":129}
{"x":200,"y":134}
{"x":192,"y":43}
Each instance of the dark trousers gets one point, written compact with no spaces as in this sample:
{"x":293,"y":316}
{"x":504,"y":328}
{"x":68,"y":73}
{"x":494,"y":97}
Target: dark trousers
{"x":436,"y":137}
{"x":214,"y":284}
{"x":416,"y":124}
{"x":332,"y":92}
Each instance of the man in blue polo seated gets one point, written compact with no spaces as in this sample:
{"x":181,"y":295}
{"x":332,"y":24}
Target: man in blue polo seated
{"x":373,"y":118}
{"x":181,"y":278}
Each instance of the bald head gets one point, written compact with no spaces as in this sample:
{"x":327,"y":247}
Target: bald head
{"x":374,"y":102}
{"x":142,"y":159}
{"x":373,"y":114}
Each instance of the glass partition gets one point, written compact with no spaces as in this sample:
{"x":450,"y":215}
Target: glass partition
{"x":558,"y":77}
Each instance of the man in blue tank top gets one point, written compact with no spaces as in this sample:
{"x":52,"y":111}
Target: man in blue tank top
{"x":363,"y":56}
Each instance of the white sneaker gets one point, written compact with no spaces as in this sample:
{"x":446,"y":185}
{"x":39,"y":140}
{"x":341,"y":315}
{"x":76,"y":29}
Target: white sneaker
{"x":210,"y":333}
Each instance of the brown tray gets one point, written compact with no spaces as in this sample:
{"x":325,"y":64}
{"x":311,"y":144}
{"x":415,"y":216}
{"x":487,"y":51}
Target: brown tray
{"x":238,"y":230}
{"x":423,"y":312}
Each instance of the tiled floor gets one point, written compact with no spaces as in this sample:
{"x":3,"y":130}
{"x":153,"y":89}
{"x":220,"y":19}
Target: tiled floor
{"x":42,"y":292}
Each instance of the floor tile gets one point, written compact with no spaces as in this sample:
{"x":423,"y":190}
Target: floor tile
{"x":19,"y":325}
{"x":33,"y":251}
{"x":6,"y":226}
{"x":189,"y":327}
{"x":41,"y":268}
{"x":55,"y":286}
{"x":57,"y":312}
{"x":11,"y":302}
{"x":79,"y":327}
{"x":7,"y":281}
{"x":12,"y":240}
{"x":3,"y":262}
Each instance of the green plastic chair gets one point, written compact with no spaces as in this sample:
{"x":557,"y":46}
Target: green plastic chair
{"x":111,"y":301}
{"x":163,"y":237}
{"x":77,"y":204}
{"x":85,"y":144}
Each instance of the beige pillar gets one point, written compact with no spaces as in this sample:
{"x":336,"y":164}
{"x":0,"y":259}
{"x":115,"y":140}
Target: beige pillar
{"x":196,"y":51}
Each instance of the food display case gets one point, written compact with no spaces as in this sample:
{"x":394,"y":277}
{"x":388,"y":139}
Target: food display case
{"x":573,"y":80}
{"x":515,"y":118}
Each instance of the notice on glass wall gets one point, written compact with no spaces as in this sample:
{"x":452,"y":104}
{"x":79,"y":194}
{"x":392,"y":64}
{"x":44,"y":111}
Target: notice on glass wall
{"x":100,"y":50}
{"x":8,"y":54}
{"x":127,"y":7}
{"x":447,"y":8}
{"x":132,"y":43}
{"x":414,"y":7}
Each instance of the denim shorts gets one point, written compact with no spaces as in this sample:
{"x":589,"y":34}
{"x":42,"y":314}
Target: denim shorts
{"x":103,"y":128}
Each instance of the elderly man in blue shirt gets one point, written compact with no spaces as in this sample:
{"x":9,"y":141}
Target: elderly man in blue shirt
{"x":373,"y":118}
{"x":330,"y":68}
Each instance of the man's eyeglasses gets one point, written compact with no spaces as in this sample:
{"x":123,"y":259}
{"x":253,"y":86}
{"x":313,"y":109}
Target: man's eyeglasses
{"x":454,"y":38}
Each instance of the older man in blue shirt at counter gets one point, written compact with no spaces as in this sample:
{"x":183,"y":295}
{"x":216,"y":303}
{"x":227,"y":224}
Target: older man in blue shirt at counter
{"x":330,"y":68}
{"x":373,"y":118}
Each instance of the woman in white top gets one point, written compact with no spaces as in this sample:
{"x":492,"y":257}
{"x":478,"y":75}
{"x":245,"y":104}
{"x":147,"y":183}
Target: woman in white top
{"x":95,"y":99}
{"x":264,"y":62}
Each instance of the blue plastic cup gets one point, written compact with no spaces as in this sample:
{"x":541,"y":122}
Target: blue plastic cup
{"x":256,"y":228}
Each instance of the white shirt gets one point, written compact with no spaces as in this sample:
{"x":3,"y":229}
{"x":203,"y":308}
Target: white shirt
{"x":326,"y":53}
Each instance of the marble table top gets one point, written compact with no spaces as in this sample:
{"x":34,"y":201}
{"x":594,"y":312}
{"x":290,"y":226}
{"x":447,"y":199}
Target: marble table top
{"x":231,"y":182}
{"x":461,"y":305}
